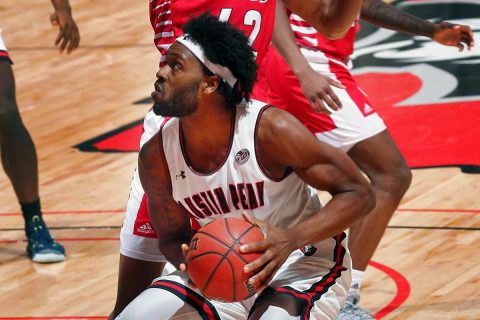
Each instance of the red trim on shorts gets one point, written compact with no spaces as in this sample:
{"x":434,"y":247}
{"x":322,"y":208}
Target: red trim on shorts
{"x":345,"y":77}
{"x":285,"y":92}
{"x":5,"y":56}
{"x":195,"y":224}
{"x":307,"y":298}
{"x":204,"y":307}
{"x":143,"y":224}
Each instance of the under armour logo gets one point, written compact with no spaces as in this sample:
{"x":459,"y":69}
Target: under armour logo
{"x":181,"y":175}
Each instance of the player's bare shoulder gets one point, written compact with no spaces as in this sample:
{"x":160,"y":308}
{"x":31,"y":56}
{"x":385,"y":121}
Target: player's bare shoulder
{"x":277,"y":125}
{"x":151,"y":167}
{"x":149,"y":152}
{"x":281,"y":140}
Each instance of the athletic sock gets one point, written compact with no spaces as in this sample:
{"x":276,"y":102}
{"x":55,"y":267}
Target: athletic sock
{"x":357,"y":279}
{"x":31,"y":209}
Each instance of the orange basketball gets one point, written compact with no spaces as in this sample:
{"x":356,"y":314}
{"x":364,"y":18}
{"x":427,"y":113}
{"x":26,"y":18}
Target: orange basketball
{"x":215,"y":264}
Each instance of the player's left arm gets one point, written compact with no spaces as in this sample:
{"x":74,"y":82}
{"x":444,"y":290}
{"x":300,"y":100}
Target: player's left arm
{"x":387,"y":16}
{"x":68,"y":35}
{"x":319,"y":165}
{"x":315,"y":86}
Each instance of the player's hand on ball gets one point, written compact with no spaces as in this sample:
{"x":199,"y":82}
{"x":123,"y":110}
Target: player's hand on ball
{"x":183,"y":266}
{"x":277,"y":246}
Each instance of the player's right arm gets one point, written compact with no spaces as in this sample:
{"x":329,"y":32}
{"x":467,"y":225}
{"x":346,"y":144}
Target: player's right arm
{"x":317,"y":164}
{"x":315,"y":86}
{"x":169,"y":219}
{"x":332,"y":18}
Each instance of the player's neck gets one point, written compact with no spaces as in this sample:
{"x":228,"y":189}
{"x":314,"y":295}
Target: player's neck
{"x":211,"y":120}
{"x":207,"y":136}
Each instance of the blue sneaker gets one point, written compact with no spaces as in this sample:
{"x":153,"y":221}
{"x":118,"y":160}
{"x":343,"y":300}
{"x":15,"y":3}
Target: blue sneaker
{"x":351,"y":310}
{"x":42,"y":248}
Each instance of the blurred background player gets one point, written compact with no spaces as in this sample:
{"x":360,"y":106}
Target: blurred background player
{"x":19,"y":158}
{"x":315,"y":85}
{"x":140,"y":258}
{"x":200,"y":90}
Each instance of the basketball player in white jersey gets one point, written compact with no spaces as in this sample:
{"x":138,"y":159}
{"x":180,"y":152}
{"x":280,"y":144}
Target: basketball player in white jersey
{"x":140,"y":257}
{"x":18,"y":154}
{"x":215,"y":157}
{"x":299,"y":82}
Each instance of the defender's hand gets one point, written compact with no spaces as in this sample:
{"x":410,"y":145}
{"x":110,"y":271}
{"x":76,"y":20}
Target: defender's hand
{"x":454,"y":35}
{"x":318,"y":91}
{"x":277,"y":246}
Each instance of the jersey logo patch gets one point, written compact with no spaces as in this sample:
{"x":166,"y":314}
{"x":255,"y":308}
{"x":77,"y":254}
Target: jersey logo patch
{"x":242,"y":156}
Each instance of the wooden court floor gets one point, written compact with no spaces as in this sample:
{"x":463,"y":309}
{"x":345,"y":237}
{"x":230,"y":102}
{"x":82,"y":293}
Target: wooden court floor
{"x":427,"y":266}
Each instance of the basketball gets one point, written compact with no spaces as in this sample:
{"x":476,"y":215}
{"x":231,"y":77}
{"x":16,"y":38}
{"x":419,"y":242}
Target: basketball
{"x":215,"y":264}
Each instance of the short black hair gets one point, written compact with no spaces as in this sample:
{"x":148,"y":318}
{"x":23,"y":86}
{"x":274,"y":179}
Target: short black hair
{"x":225,"y":45}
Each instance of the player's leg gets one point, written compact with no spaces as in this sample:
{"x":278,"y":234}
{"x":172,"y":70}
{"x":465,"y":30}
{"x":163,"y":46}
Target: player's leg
{"x":362,"y":133}
{"x":19,"y":160}
{"x":134,"y":276}
{"x":311,"y":284}
{"x":140,"y":258}
{"x":170,"y":297}
{"x":379,"y":158}
{"x":286,"y":303}
{"x":161,"y":301}
{"x":272,"y":305}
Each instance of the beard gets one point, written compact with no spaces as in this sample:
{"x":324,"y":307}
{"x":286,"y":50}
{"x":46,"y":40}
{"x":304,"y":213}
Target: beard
{"x":183,"y":102}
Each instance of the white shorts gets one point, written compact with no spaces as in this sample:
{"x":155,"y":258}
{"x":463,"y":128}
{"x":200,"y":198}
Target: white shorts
{"x":3,"y":50}
{"x":319,"y":286}
{"x":138,"y":240}
{"x":356,"y":121}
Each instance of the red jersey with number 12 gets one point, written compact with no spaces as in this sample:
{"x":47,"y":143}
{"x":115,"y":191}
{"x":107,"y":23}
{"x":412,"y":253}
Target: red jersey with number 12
{"x":256,"y":18}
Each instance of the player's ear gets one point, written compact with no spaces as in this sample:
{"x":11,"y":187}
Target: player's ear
{"x":210,"y":84}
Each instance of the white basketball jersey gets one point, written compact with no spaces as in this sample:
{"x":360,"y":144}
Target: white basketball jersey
{"x":240,"y":184}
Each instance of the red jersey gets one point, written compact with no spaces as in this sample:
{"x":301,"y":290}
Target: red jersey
{"x":256,"y":18}
{"x":309,"y":38}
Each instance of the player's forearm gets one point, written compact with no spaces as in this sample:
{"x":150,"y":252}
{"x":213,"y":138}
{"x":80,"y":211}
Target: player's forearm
{"x":387,"y":16}
{"x":61,"y":5}
{"x":338,"y":215}
{"x":284,"y":41}
{"x":332,"y":18}
{"x":173,"y":230}
{"x":172,"y":251}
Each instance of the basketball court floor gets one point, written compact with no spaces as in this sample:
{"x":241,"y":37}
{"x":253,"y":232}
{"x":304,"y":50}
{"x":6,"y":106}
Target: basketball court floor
{"x":83,"y":113}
